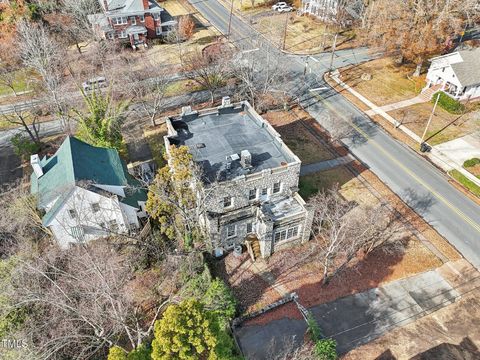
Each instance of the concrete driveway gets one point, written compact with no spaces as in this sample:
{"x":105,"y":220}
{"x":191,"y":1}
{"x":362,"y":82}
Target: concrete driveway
{"x":354,"y":320}
{"x":461,"y":149}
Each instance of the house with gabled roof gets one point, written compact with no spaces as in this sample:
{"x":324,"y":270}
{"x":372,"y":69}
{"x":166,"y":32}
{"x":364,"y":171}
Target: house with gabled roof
{"x":134,"y":21}
{"x":457,"y":74}
{"x":86,"y":192}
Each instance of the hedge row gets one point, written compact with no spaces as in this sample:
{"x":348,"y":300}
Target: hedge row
{"x":449,"y":104}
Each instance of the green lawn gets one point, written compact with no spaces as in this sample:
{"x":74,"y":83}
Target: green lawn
{"x":22,"y":82}
{"x":323,"y":180}
{"x":474,"y":189}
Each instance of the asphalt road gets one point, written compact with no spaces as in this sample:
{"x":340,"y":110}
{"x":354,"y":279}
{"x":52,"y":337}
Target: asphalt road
{"x":414,"y":179}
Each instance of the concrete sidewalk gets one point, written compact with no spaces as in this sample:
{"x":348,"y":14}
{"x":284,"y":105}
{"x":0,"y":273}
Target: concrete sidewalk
{"x":398,"y":105}
{"x":436,"y":155}
{"x":357,"y":319}
{"x":325,"y":165}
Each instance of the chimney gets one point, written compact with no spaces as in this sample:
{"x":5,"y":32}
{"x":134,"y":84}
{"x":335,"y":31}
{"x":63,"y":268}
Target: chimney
{"x":35,"y":162}
{"x":226,"y":101}
{"x":246,"y":159}
{"x":186,"y":110}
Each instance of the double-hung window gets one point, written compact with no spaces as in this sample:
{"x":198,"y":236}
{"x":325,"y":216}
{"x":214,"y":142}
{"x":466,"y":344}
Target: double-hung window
{"x":252,"y":194}
{"x":133,"y":20}
{"x":158,"y":30}
{"x":249,"y":227}
{"x":276,"y":187}
{"x":72,"y":213}
{"x":227,"y":201}
{"x":122,"y":34}
{"x":285,"y":234}
{"x":121,"y":20}
{"x":231,"y":231}
{"x":95,"y":207}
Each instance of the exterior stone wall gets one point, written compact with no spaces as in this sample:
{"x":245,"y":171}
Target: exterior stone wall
{"x":240,"y":187}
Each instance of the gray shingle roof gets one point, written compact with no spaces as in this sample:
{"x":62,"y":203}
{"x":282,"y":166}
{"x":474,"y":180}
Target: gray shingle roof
{"x":468,"y":71}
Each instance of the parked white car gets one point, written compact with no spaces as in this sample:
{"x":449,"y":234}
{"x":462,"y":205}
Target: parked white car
{"x":98,"y":82}
{"x":284,"y":8}
{"x":278,"y":4}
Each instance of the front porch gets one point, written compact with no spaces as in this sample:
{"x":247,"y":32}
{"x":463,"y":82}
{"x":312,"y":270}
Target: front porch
{"x":137,"y":35}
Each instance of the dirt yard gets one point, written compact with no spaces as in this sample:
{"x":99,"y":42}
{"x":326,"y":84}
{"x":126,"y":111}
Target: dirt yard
{"x":305,"y":34}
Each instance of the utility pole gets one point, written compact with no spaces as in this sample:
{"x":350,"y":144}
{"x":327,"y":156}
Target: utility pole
{"x":333,"y":52}
{"x":230,"y":21}
{"x":285,"y":31}
{"x":423,"y":146}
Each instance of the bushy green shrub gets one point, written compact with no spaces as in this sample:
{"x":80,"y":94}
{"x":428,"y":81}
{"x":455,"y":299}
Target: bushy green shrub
{"x":326,"y":349}
{"x":471,"y":162}
{"x":449,"y":104}
{"x":23,"y":146}
{"x":143,"y":352}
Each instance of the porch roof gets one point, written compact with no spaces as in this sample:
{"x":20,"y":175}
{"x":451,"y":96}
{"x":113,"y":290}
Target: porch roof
{"x":136,"y":29}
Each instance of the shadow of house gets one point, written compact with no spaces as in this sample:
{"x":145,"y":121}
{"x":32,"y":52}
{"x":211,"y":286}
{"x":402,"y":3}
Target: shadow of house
{"x":466,"y":350}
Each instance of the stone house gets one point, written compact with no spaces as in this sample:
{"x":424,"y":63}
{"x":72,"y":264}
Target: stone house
{"x":254,"y":176}
{"x":85,"y":192}
{"x":457,"y":74}
{"x":132,"y":21}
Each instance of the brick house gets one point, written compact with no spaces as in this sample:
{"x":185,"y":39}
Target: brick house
{"x":132,"y":21}
{"x":255,"y":200}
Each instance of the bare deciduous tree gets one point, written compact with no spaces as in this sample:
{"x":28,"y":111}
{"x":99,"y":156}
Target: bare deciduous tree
{"x":208,"y":69}
{"x":260,"y":76}
{"x":82,"y":302}
{"x":342,"y":228}
{"x":40,"y":52}
{"x":150,"y":92}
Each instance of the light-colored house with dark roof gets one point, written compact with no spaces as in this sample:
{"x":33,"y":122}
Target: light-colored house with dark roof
{"x":458,"y":73}
{"x":134,"y":21}
{"x":86,"y":193}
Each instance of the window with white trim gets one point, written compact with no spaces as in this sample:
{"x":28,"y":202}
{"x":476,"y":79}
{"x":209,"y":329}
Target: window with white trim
{"x":158,"y":30}
{"x":276,"y":187}
{"x":156,"y":16}
{"x":133,"y":20}
{"x":95,"y":207}
{"x":249,"y":227}
{"x":286,"y":234}
{"x":231,"y":231}
{"x":227,"y":201}
{"x":113,"y":226}
{"x":142,"y":18}
{"x":122,"y":34}
{"x":252,"y":194}
{"x":77,"y":232}
{"x":264,"y":191}
{"x":72,"y":213}
{"x":121,"y":20}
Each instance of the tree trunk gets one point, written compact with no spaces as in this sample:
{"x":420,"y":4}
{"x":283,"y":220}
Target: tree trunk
{"x":418,"y":70}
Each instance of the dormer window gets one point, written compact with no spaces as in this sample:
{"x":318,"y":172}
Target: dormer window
{"x":72,"y":213}
{"x":133,"y":20}
{"x":142,"y":18}
{"x":156,"y":16}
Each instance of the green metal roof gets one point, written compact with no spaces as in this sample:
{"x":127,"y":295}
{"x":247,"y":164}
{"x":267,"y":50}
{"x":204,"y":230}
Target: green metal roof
{"x":77,"y":161}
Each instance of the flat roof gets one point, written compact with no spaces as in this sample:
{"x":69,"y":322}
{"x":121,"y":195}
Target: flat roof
{"x":213,"y":136}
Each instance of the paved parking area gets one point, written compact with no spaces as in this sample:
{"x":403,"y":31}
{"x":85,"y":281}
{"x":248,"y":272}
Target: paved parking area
{"x":357,"y":319}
